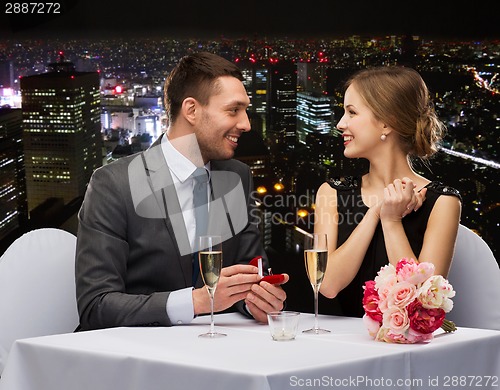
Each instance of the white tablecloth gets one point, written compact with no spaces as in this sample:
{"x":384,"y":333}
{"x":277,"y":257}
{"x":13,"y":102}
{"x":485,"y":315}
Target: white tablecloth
{"x":176,"y":358}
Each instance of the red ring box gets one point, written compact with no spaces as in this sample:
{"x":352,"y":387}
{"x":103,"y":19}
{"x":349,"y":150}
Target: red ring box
{"x":273,"y":279}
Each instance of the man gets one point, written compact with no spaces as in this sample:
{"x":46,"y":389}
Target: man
{"x":136,"y":247}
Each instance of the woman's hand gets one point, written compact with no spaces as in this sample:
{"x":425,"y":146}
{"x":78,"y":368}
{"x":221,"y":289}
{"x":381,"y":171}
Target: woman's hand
{"x":417,"y":200}
{"x":401,"y":198}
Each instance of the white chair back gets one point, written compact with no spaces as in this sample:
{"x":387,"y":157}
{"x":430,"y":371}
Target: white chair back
{"x":37,"y":287}
{"x":475,"y":276}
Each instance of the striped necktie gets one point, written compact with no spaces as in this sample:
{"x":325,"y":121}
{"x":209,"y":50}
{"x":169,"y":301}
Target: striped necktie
{"x":200,"y":204}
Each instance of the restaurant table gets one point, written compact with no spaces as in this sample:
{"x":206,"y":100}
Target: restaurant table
{"x":151,"y":358}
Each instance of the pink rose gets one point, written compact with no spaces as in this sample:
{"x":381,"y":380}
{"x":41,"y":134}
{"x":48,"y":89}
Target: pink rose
{"x":370,"y":301}
{"x":396,"y":319}
{"x":424,"y":320}
{"x":401,"y":294}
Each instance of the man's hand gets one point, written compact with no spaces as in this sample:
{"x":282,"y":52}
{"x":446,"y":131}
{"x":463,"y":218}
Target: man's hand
{"x":235,"y":282}
{"x":264,"y":298}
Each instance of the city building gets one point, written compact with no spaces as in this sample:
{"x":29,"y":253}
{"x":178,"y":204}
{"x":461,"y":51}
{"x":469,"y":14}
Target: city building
{"x":314,"y":115}
{"x":283,"y":101}
{"x":6,"y":74}
{"x":272,"y":88}
{"x":13,"y":206}
{"x":62,"y":132}
{"x":256,"y":83}
{"x":8,"y":84}
{"x":312,"y":77}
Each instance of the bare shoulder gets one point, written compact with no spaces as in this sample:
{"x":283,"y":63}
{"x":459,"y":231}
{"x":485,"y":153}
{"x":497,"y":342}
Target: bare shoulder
{"x":326,"y":189}
{"x":326,"y":195}
{"x":446,"y":212}
{"x":448,"y":204}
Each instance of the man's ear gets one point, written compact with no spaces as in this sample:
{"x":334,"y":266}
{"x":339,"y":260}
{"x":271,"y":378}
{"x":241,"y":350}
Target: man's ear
{"x":189,"y":108}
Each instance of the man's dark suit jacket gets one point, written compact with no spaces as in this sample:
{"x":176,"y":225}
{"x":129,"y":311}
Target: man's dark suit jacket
{"x":131,"y":241}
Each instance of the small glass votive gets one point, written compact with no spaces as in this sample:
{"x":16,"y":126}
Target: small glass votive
{"x":283,"y":324}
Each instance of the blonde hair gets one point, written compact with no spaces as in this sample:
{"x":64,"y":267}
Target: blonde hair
{"x":398,"y":96}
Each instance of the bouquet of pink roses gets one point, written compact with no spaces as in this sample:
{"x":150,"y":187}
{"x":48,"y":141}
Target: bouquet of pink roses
{"x":407,"y":303}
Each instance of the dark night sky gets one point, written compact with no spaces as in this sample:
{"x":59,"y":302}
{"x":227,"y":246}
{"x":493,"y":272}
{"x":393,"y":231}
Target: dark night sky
{"x":215,"y":18}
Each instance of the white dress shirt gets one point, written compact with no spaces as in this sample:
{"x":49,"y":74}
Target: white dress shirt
{"x":180,"y":302}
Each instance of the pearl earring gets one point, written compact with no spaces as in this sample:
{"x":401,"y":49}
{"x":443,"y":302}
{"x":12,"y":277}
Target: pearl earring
{"x":383,"y":137}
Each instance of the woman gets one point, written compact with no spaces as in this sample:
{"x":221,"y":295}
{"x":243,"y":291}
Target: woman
{"x":391,"y":212}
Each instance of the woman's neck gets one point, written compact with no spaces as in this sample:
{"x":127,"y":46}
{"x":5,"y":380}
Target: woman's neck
{"x":385,"y":170}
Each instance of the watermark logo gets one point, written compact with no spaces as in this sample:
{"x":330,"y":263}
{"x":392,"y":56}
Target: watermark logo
{"x":154,"y":195}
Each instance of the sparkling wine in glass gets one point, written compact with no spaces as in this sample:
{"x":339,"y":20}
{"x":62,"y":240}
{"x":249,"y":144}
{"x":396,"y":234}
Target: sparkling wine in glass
{"x":315,"y":257}
{"x":210,"y":257}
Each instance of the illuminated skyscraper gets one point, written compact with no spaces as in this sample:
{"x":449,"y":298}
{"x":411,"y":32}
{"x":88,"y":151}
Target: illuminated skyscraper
{"x":283,"y":101}
{"x":62,"y":140}
{"x":13,"y":207}
{"x":272,"y":88}
{"x":314,"y":115}
{"x":256,"y":83}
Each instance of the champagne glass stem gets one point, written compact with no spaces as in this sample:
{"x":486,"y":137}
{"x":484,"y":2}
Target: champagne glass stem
{"x":316,"y":325}
{"x":212,"y":327}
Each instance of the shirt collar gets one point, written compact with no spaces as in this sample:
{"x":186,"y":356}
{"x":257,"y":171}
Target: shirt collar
{"x":179,"y":165}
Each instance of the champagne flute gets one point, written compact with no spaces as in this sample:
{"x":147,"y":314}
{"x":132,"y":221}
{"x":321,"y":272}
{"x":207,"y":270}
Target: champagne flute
{"x":315,"y":257}
{"x":210,"y":257}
